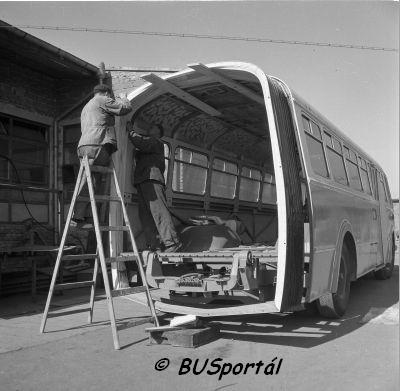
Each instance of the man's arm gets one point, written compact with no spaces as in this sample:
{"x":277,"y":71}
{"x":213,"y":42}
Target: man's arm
{"x":145,"y":143}
{"x":120,"y":106}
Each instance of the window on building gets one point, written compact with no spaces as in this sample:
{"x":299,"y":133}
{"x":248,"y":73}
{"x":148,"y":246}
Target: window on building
{"x":249,"y":184}
{"x":25,"y":145}
{"x":190,"y":172}
{"x":24,"y":160}
{"x":269,"y":189}
{"x":223,"y":179}
{"x":72,"y":134}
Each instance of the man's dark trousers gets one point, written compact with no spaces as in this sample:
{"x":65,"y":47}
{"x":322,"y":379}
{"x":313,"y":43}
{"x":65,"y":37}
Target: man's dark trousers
{"x":154,"y":214}
{"x":99,"y":156}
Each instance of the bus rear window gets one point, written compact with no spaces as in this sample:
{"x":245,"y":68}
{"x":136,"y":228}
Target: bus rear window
{"x":223,"y":179}
{"x":190,"y":172}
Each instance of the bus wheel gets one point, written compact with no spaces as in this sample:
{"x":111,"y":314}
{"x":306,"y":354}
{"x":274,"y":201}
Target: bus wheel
{"x":333,"y":305}
{"x":387,"y":271}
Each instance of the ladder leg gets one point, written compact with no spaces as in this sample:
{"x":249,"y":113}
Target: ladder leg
{"x":93,"y":290}
{"x":61,"y":250}
{"x":136,"y":252}
{"x":101,"y":255}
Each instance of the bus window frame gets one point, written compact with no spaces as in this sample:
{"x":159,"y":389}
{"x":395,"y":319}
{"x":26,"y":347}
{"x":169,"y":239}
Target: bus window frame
{"x":204,"y":194}
{"x":259,"y":181}
{"x":272,"y":183}
{"x":356,"y":162}
{"x":361,"y":160}
{"x":237,"y":184}
{"x":347,"y":184}
{"x":320,"y":140}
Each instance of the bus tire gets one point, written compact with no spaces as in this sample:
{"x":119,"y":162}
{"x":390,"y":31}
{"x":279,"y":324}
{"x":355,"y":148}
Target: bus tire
{"x":387,"y":271}
{"x":334,"y":305}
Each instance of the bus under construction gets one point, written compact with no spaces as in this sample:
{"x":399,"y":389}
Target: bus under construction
{"x":277,"y":207}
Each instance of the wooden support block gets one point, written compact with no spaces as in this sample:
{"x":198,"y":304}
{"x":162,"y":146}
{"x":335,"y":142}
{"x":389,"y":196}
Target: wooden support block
{"x":187,"y":338}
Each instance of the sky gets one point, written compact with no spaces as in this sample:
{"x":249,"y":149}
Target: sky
{"x":357,"y":90}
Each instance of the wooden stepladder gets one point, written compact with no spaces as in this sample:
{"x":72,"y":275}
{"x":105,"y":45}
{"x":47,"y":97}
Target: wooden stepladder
{"x":85,"y":170}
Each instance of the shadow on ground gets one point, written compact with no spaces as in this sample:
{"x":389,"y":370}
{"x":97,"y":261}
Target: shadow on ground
{"x":369,"y":298}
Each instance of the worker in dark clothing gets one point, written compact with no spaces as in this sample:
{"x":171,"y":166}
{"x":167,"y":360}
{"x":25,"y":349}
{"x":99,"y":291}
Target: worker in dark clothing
{"x":149,"y":182}
{"x":98,"y":139}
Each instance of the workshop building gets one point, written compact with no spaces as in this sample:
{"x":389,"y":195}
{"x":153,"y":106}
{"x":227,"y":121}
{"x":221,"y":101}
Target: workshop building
{"x":42,"y":92}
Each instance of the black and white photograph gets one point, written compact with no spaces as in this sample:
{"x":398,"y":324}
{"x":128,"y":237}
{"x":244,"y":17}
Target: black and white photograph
{"x":199,"y":195}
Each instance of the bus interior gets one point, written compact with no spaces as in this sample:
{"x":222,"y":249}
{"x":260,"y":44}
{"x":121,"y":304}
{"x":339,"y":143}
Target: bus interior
{"x":220,"y":186}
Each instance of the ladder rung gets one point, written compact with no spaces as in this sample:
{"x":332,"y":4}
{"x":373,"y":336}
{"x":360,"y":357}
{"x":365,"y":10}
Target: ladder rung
{"x":128,"y":291}
{"x":78,"y":256}
{"x":101,"y":198}
{"x":101,"y":169}
{"x":73,"y":285}
{"x":111,"y":228}
{"x":121,"y":259}
{"x":107,"y":228}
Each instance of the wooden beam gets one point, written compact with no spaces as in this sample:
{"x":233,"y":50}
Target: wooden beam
{"x":234,"y":85}
{"x":181,"y":94}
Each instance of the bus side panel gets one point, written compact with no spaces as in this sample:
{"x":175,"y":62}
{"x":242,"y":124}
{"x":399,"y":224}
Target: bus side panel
{"x":332,"y":205}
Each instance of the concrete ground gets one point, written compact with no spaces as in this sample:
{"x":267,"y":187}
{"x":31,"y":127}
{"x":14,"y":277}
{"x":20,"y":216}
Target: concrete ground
{"x":358,"y":352}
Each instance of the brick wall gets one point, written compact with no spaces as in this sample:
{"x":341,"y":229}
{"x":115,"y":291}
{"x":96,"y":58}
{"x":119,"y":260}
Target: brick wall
{"x":27,"y":89}
{"x":70,"y":92}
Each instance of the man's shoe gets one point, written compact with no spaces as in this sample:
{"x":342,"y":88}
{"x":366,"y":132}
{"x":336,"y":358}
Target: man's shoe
{"x":174,"y":248}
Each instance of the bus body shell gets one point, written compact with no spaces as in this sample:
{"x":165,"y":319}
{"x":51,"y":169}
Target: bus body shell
{"x":337,"y":214}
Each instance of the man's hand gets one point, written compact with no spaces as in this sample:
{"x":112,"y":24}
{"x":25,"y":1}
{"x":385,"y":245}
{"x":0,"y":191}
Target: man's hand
{"x":129,"y":126}
{"x":122,"y":95}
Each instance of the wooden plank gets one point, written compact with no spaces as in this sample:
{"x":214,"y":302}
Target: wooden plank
{"x":120,"y":259}
{"x":181,"y":94}
{"x":234,"y":85}
{"x":128,"y":291}
{"x":100,"y":198}
{"x":79,"y":257}
{"x":106,"y":228}
{"x":73,"y":285}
